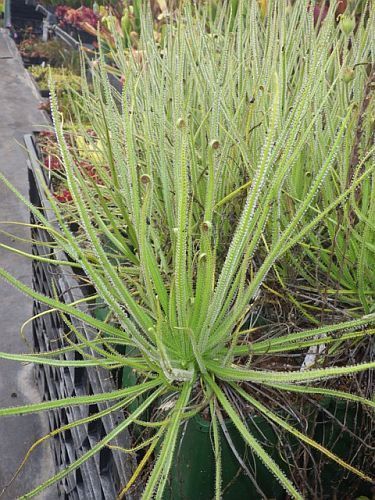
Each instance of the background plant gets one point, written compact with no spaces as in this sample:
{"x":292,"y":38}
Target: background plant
{"x":217,"y":163}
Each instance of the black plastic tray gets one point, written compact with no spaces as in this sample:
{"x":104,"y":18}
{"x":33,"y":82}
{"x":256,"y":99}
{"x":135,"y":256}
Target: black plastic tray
{"x":102,"y":476}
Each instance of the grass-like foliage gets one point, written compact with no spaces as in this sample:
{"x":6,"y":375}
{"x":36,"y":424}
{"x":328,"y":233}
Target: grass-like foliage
{"x":227,"y":157}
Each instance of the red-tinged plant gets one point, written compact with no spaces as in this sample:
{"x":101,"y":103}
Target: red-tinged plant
{"x":77,"y":17}
{"x":51,"y":162}
{"x":321,"y":10}
{"x":63,"y":196}
{"x":89,"y":170}
{"x":47,"y":133}
{"x":61,"y":10}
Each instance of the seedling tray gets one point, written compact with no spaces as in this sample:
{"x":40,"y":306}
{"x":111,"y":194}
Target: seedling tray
{"x":102,"y":476}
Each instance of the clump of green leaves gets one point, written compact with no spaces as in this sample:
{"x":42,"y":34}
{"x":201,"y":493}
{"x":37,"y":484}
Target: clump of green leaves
{"x":218,"y":161}
{"x":63,"y":78}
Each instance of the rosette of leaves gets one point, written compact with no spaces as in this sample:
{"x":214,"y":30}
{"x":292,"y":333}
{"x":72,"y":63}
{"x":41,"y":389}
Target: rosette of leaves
{"x":196,"y":161}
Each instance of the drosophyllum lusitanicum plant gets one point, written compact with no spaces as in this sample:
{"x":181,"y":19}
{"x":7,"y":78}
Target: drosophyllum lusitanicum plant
{"x":198,"y":202}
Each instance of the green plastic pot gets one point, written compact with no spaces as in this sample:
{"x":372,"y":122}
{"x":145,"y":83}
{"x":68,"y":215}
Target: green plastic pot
{"x":192,"y":475}
{"x":327,"y":432}
{"x":193,"y":472}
